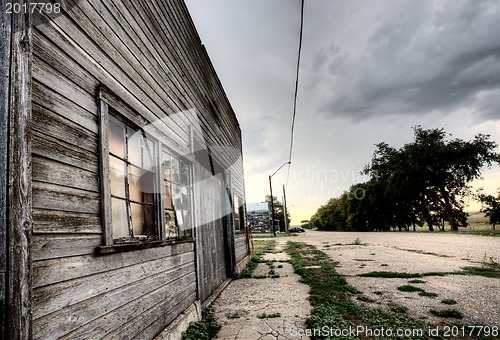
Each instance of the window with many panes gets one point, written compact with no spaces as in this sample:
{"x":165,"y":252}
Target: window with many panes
{"x":133,"y":179}
{"x":146,"y":188}
{"x":177,"y":196}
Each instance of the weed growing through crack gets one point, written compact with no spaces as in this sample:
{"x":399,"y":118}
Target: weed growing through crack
{"x":205,"y":329}
{"x":449,"y":301}
{"x":331,"y":296}
{"x":269,"y":316}
{"x":417,"y":281}
{"x":357,"y":242}
{"x":447,"y":313}
{"x":234,"y":315}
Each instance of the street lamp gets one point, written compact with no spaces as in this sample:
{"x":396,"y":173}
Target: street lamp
{"x":272,"y":200}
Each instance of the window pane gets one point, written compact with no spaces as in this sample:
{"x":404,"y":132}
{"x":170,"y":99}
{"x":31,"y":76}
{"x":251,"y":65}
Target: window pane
{"x":134,"y":140}
{"x":175,"y":170}
{"x":142,"y":185}
{"x":119,"y":218}
{"x":184,"y":180}
{"x":168,"y":196}
{"x":170,"y":228}
{"x":134,"y":183}
{"x":236,"y":206}
{"x":166,"y":166}
{"x":117,"y":176}
{"x":149,"y":161}
{"x":177,"y":196}
{"x":151,"y":221}
{"x":184,"y":222}
{"x":138,"y":219}
{"x":116,"y":138}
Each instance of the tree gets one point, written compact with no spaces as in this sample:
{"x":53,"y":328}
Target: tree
{"x":428,"y":179}
{"x":491,"y":208}
{"x":279,"y":213}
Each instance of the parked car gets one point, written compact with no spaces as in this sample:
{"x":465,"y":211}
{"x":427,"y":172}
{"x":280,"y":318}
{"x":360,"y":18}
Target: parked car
{"x":296,"y":230}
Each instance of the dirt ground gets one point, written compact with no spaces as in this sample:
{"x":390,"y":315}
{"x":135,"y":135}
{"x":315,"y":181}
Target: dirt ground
{"x":477,"y":297}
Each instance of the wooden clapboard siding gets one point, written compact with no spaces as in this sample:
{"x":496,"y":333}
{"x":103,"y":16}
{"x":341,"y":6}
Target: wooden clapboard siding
{"x":115,"y":310}
{"x":54,"y":221}
{"x":52,"y":298}
{"x":240,"y":245}
{"x":53,"y":271}
{"x":150,"y":57}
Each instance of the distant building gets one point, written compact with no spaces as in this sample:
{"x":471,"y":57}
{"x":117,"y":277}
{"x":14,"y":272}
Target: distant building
{"x":259,"y":216}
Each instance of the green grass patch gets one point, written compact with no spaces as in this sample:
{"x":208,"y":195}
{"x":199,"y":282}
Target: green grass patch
{"x":449,"y":301}
{"x":271,"y":235}
{"x":399,"y":309}
{"x":447,"y":313}
{"x":332,"y":299}
{"x":205,"y":329}
{"x":417,"y":281}
{"x":262,"y":247}
{"x":365,"y":298}
{"x":247,"y":272}
{"x":488,"y":270}
{"x":401,"y":275}
{"x":428,"y":294}
{"x":490,"y":232}
{"x":390,"y":275}
{"x":410,"y":288}
{"x":269,"y":316}
{"x":418,"y":251}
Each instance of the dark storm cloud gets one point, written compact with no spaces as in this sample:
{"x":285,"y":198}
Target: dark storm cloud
{"x":419,"y":58}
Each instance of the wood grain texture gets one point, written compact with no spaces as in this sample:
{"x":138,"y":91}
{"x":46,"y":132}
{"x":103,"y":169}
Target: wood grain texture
{"x":52,"y":298}
{"x":100,"y":311}
{"x":5,"y":45}
{"x":51,"y":271}
{"x":18,"y":197}
{"x":62,"y":222}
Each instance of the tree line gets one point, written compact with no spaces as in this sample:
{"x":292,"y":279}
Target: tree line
{"x":425,"y":182}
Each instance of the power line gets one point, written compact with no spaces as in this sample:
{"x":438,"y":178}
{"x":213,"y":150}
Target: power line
{"x":296,"y":88}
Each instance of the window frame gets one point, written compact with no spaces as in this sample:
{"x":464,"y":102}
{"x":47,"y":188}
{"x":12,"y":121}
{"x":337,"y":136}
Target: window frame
{"x":120,"y":111}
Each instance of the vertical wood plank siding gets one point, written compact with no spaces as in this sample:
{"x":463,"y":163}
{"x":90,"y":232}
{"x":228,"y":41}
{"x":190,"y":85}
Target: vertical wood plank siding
{"x":5,"y":43}
{"x":15,"y":175}
{"x":149,"y":54}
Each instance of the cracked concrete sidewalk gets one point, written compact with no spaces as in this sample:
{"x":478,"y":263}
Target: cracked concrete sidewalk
{"x":243,"y":300}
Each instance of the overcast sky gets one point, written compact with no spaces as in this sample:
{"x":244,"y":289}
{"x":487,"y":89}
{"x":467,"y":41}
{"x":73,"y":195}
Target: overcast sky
{"x":370,"y":70}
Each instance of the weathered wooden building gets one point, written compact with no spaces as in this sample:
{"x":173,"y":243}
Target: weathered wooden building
{"x":122,"y":203}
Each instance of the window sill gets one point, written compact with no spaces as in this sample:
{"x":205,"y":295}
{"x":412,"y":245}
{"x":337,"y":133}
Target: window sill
{"x":118,"y":248}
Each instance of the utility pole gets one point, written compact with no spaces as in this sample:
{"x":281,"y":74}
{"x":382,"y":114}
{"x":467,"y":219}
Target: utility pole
{"x":284,"y":210}
{"x":272,"y":200}
{"x":272,"y":206}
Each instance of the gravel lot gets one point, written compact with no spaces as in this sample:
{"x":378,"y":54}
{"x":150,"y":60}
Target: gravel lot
{"x":477,"y":297}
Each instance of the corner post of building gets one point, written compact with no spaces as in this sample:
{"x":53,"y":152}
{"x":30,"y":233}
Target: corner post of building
{"x":15,"y":172}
